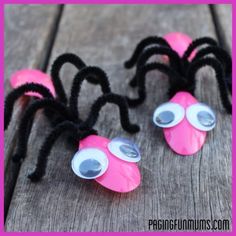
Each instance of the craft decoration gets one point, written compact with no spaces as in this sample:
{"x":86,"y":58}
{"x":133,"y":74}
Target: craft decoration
{"x":184,"y":120}
{"x":111,"y":163}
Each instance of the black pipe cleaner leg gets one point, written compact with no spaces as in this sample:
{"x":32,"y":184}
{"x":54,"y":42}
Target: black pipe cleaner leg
{"x":219,"y":72}
{"x":46,"y":149}
{"x":14,"y":95}
{"x":141,"y":46}
{"x":123,"y":107}
{"x":90,"y":71}
{"x":55,"y":72}
{"x":173,"y":76}
{"x":174,"y":58}
{"x":196,"y":43}
{"x":222,"y":56}
{"x":21,"y":148}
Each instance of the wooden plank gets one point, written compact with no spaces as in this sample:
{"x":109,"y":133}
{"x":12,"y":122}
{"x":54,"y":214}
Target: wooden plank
{"x":173,"y":187}
{"x":223,"y":14}
{"x":27,"y":36}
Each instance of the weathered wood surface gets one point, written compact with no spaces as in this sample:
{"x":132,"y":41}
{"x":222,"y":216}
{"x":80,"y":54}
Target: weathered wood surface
{"x":27,"y":32}
{"x":194,"y":187}
{"x":224,"y":16}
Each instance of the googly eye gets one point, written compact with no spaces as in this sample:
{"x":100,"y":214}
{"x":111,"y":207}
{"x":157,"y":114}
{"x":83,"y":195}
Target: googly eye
{"x":124,"y":149}
{"x":168,"y":115}
{"x":201,"y":117}
{"x":89,"y":163}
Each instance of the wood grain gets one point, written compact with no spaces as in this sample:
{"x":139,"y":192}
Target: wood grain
{"x":27,"y":32}
{"x":173,"y":187}
{"x":224,"y":19}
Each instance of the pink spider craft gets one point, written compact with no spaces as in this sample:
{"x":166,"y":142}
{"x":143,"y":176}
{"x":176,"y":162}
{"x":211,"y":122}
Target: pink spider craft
{"x":111,"y":163}
{"x":184,"y":120}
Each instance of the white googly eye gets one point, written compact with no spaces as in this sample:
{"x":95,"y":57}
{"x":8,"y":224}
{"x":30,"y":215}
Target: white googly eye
{"x":89,"y":163}
{"x":168,"y":115}
{"x":201,"y":117}
{"x":124,"y":149}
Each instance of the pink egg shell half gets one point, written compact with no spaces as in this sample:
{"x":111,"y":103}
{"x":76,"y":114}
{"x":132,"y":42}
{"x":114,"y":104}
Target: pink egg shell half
{"x":22,"y":77}
{"x":120,"y":176}
{"x":179,"y":42}
{"x":183,"y":138}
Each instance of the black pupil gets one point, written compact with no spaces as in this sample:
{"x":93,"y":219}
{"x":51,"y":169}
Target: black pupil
{"x":128,"y":151}
{"x":90,"y":168}
{"x":205,"y":118}
{"x":165,"y":117}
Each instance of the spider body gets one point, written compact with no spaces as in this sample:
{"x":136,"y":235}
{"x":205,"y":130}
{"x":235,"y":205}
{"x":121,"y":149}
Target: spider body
{"x":97,"y":158}
{"x":184,"y":120}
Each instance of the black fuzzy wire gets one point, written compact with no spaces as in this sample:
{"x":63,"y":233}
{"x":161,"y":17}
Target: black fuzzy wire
{"x":174,"y":79}
{"x":175,"y":61}
{"x":88,"y":72}
{"x":55,"y":72}
{"x":47,"y":146}
{"x":120,"y":101}
{"x":141,"y":46}
{"x":222,"y":56}
{"x":14,"y":95}
{"x":196,"y":43}
{"x":219,"y":73}
{"x":27,"y":117}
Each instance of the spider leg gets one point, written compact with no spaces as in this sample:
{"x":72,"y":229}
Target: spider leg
{"x":47,"y":146}
{"x":222,"y":56}
{"x":123,"y":108}
{"x":85,"y":73}
{"x":175,"y":61}
{"x":219,"y":72}
{"x":14,"y":95}
{"x":196,"y":43}
{"x":171,"y":73}
{"x":141,"y":46}
{"x":55,"y":71}
{"x":21,"y":148}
